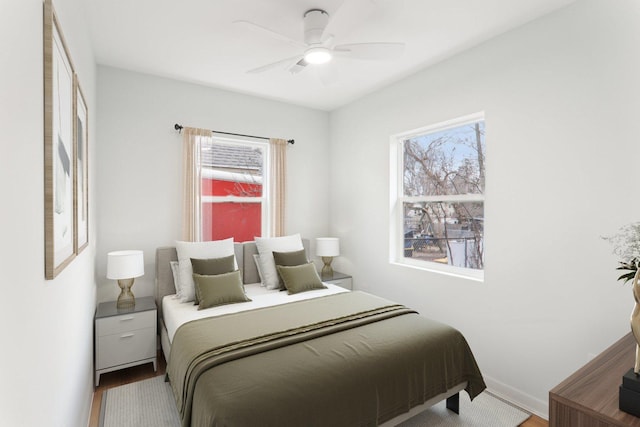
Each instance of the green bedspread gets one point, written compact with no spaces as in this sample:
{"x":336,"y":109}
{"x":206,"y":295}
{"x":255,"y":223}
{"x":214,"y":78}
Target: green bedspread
{"x":350,"y":359}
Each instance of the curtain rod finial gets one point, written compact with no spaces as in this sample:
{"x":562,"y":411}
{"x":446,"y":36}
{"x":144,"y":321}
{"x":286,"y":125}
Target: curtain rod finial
{"x":177,"y":127}
{"x":291,"y":141}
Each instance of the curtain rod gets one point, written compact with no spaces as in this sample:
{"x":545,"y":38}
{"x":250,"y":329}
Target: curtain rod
{"x":179,"y":129}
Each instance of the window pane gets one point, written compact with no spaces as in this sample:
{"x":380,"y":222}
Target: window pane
{"x":216,"y":185}
{"x":448,"y":233}
{"x":445,"y":162}
{"x":235,"y":170}
{"x":242,"y":221}
{"x":231,"y":169}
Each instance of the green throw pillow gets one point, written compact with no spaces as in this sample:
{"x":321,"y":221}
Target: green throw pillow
{"x":300,"y":278}
{"x":220,"y":289}
{"x":211,"y":267}
{"x":289,"y":259}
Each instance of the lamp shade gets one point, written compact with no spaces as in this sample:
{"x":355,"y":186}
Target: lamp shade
{"x":327,"y":246}
{"x":125,"y":264}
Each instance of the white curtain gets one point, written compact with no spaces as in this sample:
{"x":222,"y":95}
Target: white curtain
{"x":278,"y":167}
{"x":191,"y":183}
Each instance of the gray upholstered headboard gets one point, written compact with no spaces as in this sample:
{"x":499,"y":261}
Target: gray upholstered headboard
{"x":244,"y":257}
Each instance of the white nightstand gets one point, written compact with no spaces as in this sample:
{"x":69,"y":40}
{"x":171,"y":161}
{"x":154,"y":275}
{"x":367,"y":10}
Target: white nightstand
{"x":339,"y":279}
{"x":125,"y":338}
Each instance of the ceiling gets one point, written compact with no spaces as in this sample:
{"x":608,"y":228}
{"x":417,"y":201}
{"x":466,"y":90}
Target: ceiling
{"x":199,"y":41}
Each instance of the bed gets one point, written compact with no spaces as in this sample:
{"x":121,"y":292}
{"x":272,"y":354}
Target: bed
{"x":318,"y":358}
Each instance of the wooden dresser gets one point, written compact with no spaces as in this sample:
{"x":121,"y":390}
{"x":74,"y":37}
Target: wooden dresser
{"x":589,"y":397}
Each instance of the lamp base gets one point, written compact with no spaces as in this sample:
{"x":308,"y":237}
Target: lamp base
{"x":327,"y":270}
{"x":126,"y":299}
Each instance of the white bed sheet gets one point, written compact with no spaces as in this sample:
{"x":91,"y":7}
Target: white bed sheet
{"x":176,"y":313}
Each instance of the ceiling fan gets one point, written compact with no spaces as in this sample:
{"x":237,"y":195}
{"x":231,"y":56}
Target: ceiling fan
{"x":318,"y":47}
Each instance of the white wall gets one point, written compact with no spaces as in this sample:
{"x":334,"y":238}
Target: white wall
{"x":561,"y":97}
{"x":140,"y":161}
{"x":47,"y":325}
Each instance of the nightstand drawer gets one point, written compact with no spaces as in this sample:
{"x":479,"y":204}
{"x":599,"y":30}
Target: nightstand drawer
{"x":125,"y":347}
{"x":125,"y":322}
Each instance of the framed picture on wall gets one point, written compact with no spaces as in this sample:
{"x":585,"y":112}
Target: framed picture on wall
{"x":59,"y":151}
{"x":81,"y":170}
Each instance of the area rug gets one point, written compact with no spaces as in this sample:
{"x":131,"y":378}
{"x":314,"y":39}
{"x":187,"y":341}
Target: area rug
{"x":150,"y":403}
{"x":485,"y":411}
{"x":147,"y":403}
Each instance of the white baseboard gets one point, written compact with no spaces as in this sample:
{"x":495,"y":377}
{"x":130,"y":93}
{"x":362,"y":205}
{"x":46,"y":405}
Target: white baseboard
{"x":518,"y":398}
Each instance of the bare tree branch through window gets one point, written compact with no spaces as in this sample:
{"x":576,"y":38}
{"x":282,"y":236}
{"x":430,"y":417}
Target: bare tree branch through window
{"x":443,"y":184}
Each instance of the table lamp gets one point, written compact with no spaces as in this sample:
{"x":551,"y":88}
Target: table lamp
{"x":327,"y":248}
{"x":125,"y":266}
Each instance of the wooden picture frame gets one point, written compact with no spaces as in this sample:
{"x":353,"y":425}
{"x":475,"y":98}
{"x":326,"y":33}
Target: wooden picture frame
{"x":58,"y":147}
{"x":81,"y":169}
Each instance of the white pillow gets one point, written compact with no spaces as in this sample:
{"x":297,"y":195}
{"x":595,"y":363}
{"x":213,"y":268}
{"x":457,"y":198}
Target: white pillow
{"x":266,"y":246}
{"x":188,"y":250}
{"x":176,"y":278}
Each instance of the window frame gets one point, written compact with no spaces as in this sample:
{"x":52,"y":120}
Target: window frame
{"x":397,"y":199}
{"x":265,"y":199}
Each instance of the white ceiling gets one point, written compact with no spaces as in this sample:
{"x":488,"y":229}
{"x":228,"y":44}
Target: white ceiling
{"x":198,"y":41}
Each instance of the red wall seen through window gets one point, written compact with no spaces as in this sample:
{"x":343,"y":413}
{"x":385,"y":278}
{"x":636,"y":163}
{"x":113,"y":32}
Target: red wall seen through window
{"x":242,"y":221}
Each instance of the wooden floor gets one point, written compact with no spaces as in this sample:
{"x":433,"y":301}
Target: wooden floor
{"x":142,"y":372}
{"x":535,"y":421}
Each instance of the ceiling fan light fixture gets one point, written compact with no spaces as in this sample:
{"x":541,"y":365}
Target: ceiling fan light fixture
{"x":317,"y":55}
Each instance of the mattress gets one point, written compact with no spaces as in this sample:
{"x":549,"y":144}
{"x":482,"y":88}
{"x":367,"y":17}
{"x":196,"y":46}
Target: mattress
{"x":176,"y":313}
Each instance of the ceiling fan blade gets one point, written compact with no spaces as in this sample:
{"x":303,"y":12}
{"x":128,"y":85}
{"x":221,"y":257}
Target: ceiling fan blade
{"x":328,"y":76}
{"x":273,"y":34}
{"x":371,"y":51}
{"x":298,"y":66}
{"x":349,"y":14}
{"x":327,"y":40}
{"x":276,"y":64}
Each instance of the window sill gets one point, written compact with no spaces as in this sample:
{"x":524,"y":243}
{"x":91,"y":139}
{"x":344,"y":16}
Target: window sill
{"x":447,"y":270}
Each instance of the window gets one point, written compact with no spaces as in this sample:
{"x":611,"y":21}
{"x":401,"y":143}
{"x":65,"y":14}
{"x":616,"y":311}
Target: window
{"x":437,"y":197}
{"x":234,"y":194}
